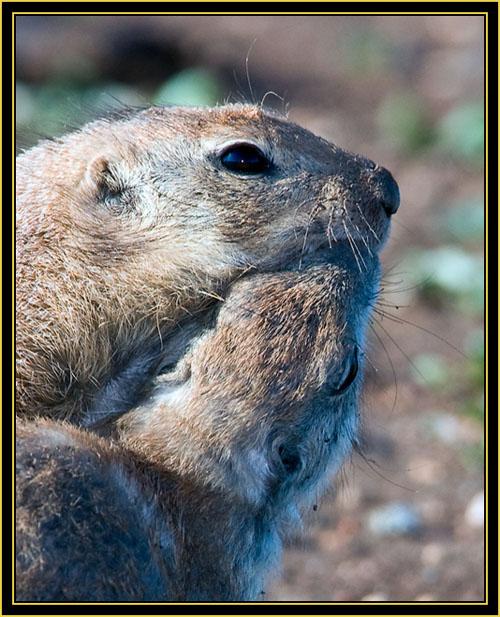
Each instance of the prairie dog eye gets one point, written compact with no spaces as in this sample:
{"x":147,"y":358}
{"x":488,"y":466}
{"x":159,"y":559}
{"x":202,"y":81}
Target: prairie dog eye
{"x":349,"y":375}
{"x":244,"y":158}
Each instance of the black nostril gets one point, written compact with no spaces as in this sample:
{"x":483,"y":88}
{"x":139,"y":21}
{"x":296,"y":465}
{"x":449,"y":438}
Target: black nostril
{"x":389,"y":190}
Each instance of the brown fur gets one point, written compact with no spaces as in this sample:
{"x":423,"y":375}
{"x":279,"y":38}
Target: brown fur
{"x":130,"y":226}
{"x":222,"y":419}
{"x":189,"y":502}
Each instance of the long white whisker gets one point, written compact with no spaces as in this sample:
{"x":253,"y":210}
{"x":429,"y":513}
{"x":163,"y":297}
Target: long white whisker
{"x":349,"y":239}
{"x":363,"y":239}
{"x":368,"y":224}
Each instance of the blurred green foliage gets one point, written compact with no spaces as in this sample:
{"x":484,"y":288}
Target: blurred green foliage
{"x":430,"y":370}
{"x":68,"y":101}
{"x":450,"y":429}
{"x":462,"y":222}
{"x":365,"y":53}
{"x":434,"y":371}
{"x":460,"y":133}
{"x":462,"y":381}
{"x":452,"y":277}
{"x":475,"y":350}
{"x":402,"y":120}
{"x":474,"y":375}
{"x":472,"y":454}
{"x":448,"y":275}
{"x":192,"y":87}
{"x":59,"y":106}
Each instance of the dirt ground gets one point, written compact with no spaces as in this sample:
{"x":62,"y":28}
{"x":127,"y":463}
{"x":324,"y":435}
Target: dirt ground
{"x":403,"y":521}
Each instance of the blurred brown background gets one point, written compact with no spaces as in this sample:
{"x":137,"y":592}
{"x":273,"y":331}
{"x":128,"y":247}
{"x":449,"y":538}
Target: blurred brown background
{"x":405,"y":521}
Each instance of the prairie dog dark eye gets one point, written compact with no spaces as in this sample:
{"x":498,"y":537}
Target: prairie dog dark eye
{"x":245,"y":159}
{"x":349,"y":374}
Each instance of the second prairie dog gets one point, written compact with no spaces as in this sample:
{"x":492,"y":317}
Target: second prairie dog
{"x":133,"y":225}
{"x":189,"y":501}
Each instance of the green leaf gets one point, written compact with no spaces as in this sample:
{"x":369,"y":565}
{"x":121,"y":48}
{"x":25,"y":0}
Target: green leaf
{"x":461,"y":132}
{"x":402,"y":119}
{"x":464,"y":222}
{"x":429,"y":370}
{"x":448,"y":273}
{"x":191,"y":87}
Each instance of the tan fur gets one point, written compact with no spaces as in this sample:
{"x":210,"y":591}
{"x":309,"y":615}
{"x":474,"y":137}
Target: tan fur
{"x":209,"y":325}
{"x":99,"y":280}
{"x":189,"y":500}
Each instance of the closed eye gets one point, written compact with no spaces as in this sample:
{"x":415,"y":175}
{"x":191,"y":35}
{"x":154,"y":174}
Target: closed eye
{"x":349,"y":375}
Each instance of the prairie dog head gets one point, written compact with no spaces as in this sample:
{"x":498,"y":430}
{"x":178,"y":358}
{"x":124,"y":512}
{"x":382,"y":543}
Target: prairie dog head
{"x":265,"y":403}
{"x":235,"y":184}
{"x":132,"y":224}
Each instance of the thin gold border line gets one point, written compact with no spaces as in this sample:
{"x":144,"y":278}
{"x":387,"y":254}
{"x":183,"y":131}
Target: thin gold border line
{"x":486,"y":410}
{"x":13,"y":436}
{"x":263,"y":13}
{"x":276,"y":603}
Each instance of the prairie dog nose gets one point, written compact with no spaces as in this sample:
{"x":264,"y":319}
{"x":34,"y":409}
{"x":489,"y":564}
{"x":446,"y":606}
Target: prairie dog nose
{"x":389,"y":199}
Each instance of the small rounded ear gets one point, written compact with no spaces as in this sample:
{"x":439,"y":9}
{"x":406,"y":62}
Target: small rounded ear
{"x":103,"y":176}
{"x":98,"y":171}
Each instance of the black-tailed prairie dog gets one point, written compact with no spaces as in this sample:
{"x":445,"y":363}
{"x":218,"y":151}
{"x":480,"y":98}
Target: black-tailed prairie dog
{"x":202,"y":280}
{"x":136,"y":223}
{"x":189,"y":499}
